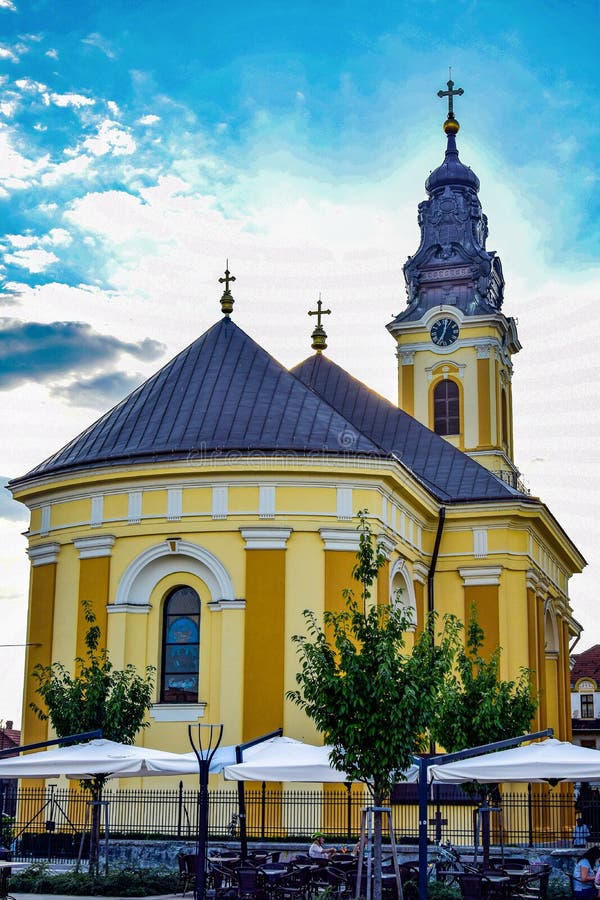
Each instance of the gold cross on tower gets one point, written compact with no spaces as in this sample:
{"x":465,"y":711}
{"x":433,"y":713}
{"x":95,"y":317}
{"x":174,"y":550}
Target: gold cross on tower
{"x":227,"y":299}
{"x":451,"y":94}
{"x":319,"y":338}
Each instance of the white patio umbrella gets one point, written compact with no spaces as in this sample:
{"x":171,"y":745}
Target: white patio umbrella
{"x":549,"y":760}
{"x":285,"y":759}
{"x":99,"y":757}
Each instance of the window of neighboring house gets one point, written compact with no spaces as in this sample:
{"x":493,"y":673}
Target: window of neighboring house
{"x":588,"y":743}
{"x":586,"y":702}
{"x":181,"y":647}
{"x":446,"y":407}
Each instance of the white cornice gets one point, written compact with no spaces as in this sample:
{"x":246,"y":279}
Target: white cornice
{"x":221,"y":605}
{"x":43,"y":554}
{"x":386,"y":543}
{"x":266,"y":538}
{"x":474,"y":576}
{"x":94,"y":547}
{"x":177,"y":712}
{"x":420,"y":573}
{"x":340,"y":539}
{"x":128,"y":608}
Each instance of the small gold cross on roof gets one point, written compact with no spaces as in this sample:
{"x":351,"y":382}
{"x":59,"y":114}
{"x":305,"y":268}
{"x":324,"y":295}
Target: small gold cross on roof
{"x":319,"y":338}
{"x":319,"y":312}
{"x":226,"y":299}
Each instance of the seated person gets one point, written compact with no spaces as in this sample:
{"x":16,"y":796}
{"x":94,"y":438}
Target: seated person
{"x":317,"y":848}
{"x":583,"y":874}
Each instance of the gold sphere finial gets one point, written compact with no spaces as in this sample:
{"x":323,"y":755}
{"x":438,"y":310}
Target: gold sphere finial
{"x":451,"y":126}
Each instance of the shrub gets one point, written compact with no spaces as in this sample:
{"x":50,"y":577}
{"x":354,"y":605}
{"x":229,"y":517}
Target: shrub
{"x":132,"y":881}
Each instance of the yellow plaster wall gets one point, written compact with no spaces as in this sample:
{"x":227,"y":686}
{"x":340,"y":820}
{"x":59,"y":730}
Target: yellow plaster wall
{"x":263,"y":643}
{"x":483,"y":402}
{"x":154,"y":503}
{"x":532,"y":641}
{"x":71,"y":512}
{"x":196,"y":500}
{"x":338,"y":577}
{"x":514,"y":626}
{"x":35,"y":520}
{"x":304,"y":589}
{"x":116,"y":506}
{"x":243,"y":499}
{"x":39,"y":637}
{"x":553,"y":720}
{"x":64,"y":635}
{"x":306,"y":499}
{"x":225,"y":697}
{"x":406,"y":388}
{"x":94,"y":576}
{"x":486,"y":601}
{"x":541,"y":662}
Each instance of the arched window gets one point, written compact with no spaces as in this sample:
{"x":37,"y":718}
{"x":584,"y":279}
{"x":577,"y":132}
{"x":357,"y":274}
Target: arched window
{"x":181,"y":647}
{"x":446,"y":407}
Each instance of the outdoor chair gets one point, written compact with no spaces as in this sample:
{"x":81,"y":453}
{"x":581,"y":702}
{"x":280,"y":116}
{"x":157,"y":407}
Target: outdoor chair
{"x":222,"y":880}
{"x":249,"y":883}
{"x":533,"y":886}
{"x":296,"y":884}
{"x":330,"y":880}
{"x":474,"y":886}
{"x":187,"y":872}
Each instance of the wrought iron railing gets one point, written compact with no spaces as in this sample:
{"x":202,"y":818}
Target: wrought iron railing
{"x":49,"y":823}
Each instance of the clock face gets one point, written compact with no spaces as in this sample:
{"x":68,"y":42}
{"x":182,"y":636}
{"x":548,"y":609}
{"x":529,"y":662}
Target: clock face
{"x":444,"y":332}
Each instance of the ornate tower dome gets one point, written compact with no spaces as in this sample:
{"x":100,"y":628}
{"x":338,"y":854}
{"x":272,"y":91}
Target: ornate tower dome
{"x":452,"y":266}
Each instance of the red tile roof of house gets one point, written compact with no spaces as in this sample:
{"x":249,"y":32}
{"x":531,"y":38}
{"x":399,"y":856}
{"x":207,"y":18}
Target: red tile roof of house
{"x":587,"y":665}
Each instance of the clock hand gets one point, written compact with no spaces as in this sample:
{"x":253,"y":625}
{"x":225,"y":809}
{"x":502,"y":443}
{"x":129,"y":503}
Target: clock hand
{"x":444,"y":330}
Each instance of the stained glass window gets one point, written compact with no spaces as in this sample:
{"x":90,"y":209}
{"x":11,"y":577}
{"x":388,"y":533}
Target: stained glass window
{"x":181,"y":647}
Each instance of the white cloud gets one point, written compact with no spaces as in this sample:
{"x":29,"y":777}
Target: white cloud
{"x":73,"y":168}
{"x":58,"y":237}
{"x":113,"y":107}
{"x":53,"y":54}
{"x":8,"y":4}
{"x":16,"y":171}
{"x":149,"y":120}
{"x":8,"y":107}
{"x":68,"y":100}
{"x":20,"y":241}
{"x":110,"y":138}
{"x":29,"y":84}
{"x":100,"y":43}
{"x":7,"y":53}
{"x":34,"y":260}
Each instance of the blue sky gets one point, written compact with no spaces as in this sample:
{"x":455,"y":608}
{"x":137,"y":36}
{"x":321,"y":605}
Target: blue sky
{"x":143,"y":143}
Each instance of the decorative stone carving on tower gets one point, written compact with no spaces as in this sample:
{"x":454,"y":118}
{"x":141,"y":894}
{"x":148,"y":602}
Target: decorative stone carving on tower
{"x":452,"y":266}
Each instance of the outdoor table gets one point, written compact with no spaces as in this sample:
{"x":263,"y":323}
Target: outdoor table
{"x":5,"y":869}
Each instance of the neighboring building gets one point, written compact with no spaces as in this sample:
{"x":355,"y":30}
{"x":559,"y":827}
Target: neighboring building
{"x":585,"y":697}
{"x":9,"y":737}
{"x":216,"y":502}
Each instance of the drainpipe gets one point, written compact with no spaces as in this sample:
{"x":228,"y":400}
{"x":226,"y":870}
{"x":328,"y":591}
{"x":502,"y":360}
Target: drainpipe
{"x":434,"y":558}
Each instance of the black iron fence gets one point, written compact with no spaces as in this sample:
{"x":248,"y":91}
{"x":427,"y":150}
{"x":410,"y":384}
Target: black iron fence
{"x":54,"y":822}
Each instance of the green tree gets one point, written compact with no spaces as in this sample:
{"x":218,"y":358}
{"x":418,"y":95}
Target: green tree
{"x":476,"y":706}
{"x":370,"y":697}
{"x":96,"y":696}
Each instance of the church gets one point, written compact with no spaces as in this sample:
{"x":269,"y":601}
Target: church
{"x":209,"y":508}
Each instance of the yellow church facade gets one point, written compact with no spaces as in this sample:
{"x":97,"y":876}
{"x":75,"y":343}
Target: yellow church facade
{"x":208,"y":509}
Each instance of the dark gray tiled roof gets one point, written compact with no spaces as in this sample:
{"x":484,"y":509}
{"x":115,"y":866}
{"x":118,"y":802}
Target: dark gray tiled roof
{"x":447,"y":472}
{"x":223,"y":394}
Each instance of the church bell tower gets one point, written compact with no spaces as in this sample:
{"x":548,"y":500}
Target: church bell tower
{"x":455,"y":344}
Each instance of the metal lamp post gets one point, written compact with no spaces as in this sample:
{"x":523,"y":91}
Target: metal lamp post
{"x":207,"y":740}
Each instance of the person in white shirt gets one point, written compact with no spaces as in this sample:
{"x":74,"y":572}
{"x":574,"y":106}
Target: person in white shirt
{"x":581,"y":833}
{"x":317,"y":848}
